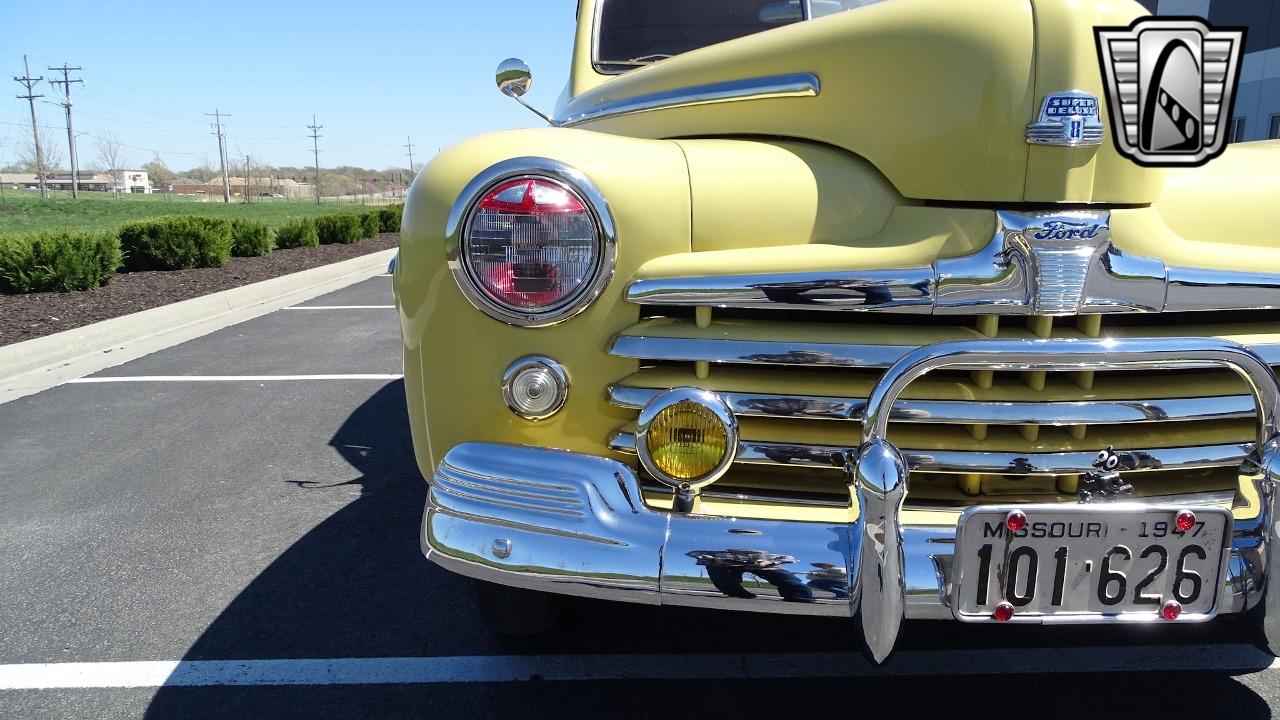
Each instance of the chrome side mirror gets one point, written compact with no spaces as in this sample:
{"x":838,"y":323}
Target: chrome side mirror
{"x":514,"y":77}
{"x":514,"y":80}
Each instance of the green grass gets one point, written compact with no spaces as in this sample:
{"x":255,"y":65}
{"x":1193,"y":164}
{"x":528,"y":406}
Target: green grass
{"x":25,"y":211}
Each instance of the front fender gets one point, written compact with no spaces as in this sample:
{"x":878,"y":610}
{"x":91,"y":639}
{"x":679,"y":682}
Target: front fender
{"x":454,"y":354}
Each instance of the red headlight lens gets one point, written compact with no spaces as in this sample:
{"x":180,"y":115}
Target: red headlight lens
{"x":532,"y":245}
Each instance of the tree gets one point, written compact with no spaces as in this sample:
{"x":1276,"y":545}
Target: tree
{"x":201,"y":174}
{"x":49,"y":147}
{"x":110,"y":158}
{"x":159,"y":174}
{"x":336,"y":184}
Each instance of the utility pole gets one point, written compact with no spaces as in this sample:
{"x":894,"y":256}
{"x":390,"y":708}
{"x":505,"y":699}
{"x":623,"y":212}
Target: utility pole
{"x":222,"y":152}
{"x":246,"y":178}
{"x":409,"y":144}
{"x":30,"y":97}
{"x":315,"y":148}
{"x":66,"y":82}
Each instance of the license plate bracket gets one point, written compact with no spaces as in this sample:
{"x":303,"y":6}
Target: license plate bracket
{"x":1089,"y":563}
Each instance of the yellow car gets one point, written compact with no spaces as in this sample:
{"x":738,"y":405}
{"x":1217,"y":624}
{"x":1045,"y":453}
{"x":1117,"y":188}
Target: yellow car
{"x":848,"y":308}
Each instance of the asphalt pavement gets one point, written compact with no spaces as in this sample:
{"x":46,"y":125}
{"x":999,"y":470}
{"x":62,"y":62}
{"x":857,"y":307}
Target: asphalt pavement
{"x":229,"y":528}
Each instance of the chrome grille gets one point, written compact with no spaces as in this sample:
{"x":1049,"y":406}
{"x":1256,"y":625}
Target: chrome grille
{"x":799,"y":386}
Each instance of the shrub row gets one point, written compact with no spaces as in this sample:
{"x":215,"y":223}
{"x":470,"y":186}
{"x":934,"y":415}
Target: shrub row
{"x":250,"y":238}
{"x":66,"y":260}
{"x":179,"y":242}
{"x":297,"y":233}
{"x":389,"y":218}
{"x":57,"y":261}
{"x":339,"y":228}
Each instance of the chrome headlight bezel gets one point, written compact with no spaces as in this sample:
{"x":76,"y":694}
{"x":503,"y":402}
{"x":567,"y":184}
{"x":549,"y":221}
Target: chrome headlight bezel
{"x":571,"y":180}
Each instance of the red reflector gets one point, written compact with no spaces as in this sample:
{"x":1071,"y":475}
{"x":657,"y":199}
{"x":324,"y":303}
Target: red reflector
{"x":1015,"y":520}
{"x":528,"y":195}
{"x":1185,"y":520}
{"x":1003,"y":612}
{"x":1171,"y":610}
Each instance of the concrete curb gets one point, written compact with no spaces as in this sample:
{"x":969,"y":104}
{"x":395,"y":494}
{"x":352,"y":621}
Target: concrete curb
{"x":39,"y":364}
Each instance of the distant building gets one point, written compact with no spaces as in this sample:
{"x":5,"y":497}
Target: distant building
{"x":255,"y":187}
{"x":128,"y":181}
{"x":1257,"y":105}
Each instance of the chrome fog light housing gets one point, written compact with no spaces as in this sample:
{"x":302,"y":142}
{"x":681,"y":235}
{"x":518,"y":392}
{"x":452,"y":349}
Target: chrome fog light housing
{"x":687,"y":437}
{"x":535,"y":387}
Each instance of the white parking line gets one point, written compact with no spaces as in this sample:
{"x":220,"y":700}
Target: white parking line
{"x":341,"y":307}
{"x":228,"y":378}
{"x":519,"y":668}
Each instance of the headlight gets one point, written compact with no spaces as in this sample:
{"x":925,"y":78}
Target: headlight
{"x":533,"y":243}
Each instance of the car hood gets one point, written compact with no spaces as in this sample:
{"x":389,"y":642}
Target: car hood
{"x":935,"y":94}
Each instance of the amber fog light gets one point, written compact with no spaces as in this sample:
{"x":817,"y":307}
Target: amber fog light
{"x":535,"y":387}
{"x":687,"y":437}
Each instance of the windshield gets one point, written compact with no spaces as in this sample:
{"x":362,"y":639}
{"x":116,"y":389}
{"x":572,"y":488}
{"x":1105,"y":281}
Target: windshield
{"x":639,"y":32}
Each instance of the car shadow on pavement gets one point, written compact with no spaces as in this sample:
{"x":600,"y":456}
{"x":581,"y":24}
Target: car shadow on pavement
{"x":357,"y":585}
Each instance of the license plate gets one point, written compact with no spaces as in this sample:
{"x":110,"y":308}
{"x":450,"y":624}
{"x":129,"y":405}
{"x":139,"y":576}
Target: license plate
{"x":1089,"y":562}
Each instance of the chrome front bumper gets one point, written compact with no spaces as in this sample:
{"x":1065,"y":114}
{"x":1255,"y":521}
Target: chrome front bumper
{"x":576,"y":524}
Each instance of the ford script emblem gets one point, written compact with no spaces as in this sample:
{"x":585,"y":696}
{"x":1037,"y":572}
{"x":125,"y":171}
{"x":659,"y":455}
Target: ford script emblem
{"x":1066,"y":230}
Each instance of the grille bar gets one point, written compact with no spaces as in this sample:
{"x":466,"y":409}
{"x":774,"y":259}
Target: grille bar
{"x":818,"y":354}
{"x":1230,"y":407}
{"x":960,"y":461}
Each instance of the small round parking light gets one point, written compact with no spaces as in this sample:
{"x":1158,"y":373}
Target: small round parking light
{"x":535,"y":387}
{"x":1003,"y":612}
{"x":1184,"y":520}
{"x":1171,"y":610}
{"x":1015,"y":520}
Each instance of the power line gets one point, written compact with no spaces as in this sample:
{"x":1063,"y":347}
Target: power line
{"x":164,"y":103}
{"x":98,"y":114}
{"x":30,"y":82}
{"x":222,"y":153}
{"x":315,"y":148}
{"x":134,"y":107}
{"x":162,"y":152}
{"x":23,"y":125}
{"x":66,"y":83}
{"x":410,"y":146}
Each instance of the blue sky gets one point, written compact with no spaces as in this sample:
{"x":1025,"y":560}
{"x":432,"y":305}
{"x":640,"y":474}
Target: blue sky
{"x":373,"y":73}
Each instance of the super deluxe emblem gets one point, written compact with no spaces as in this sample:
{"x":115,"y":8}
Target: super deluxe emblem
{"x":1069,"y":119}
